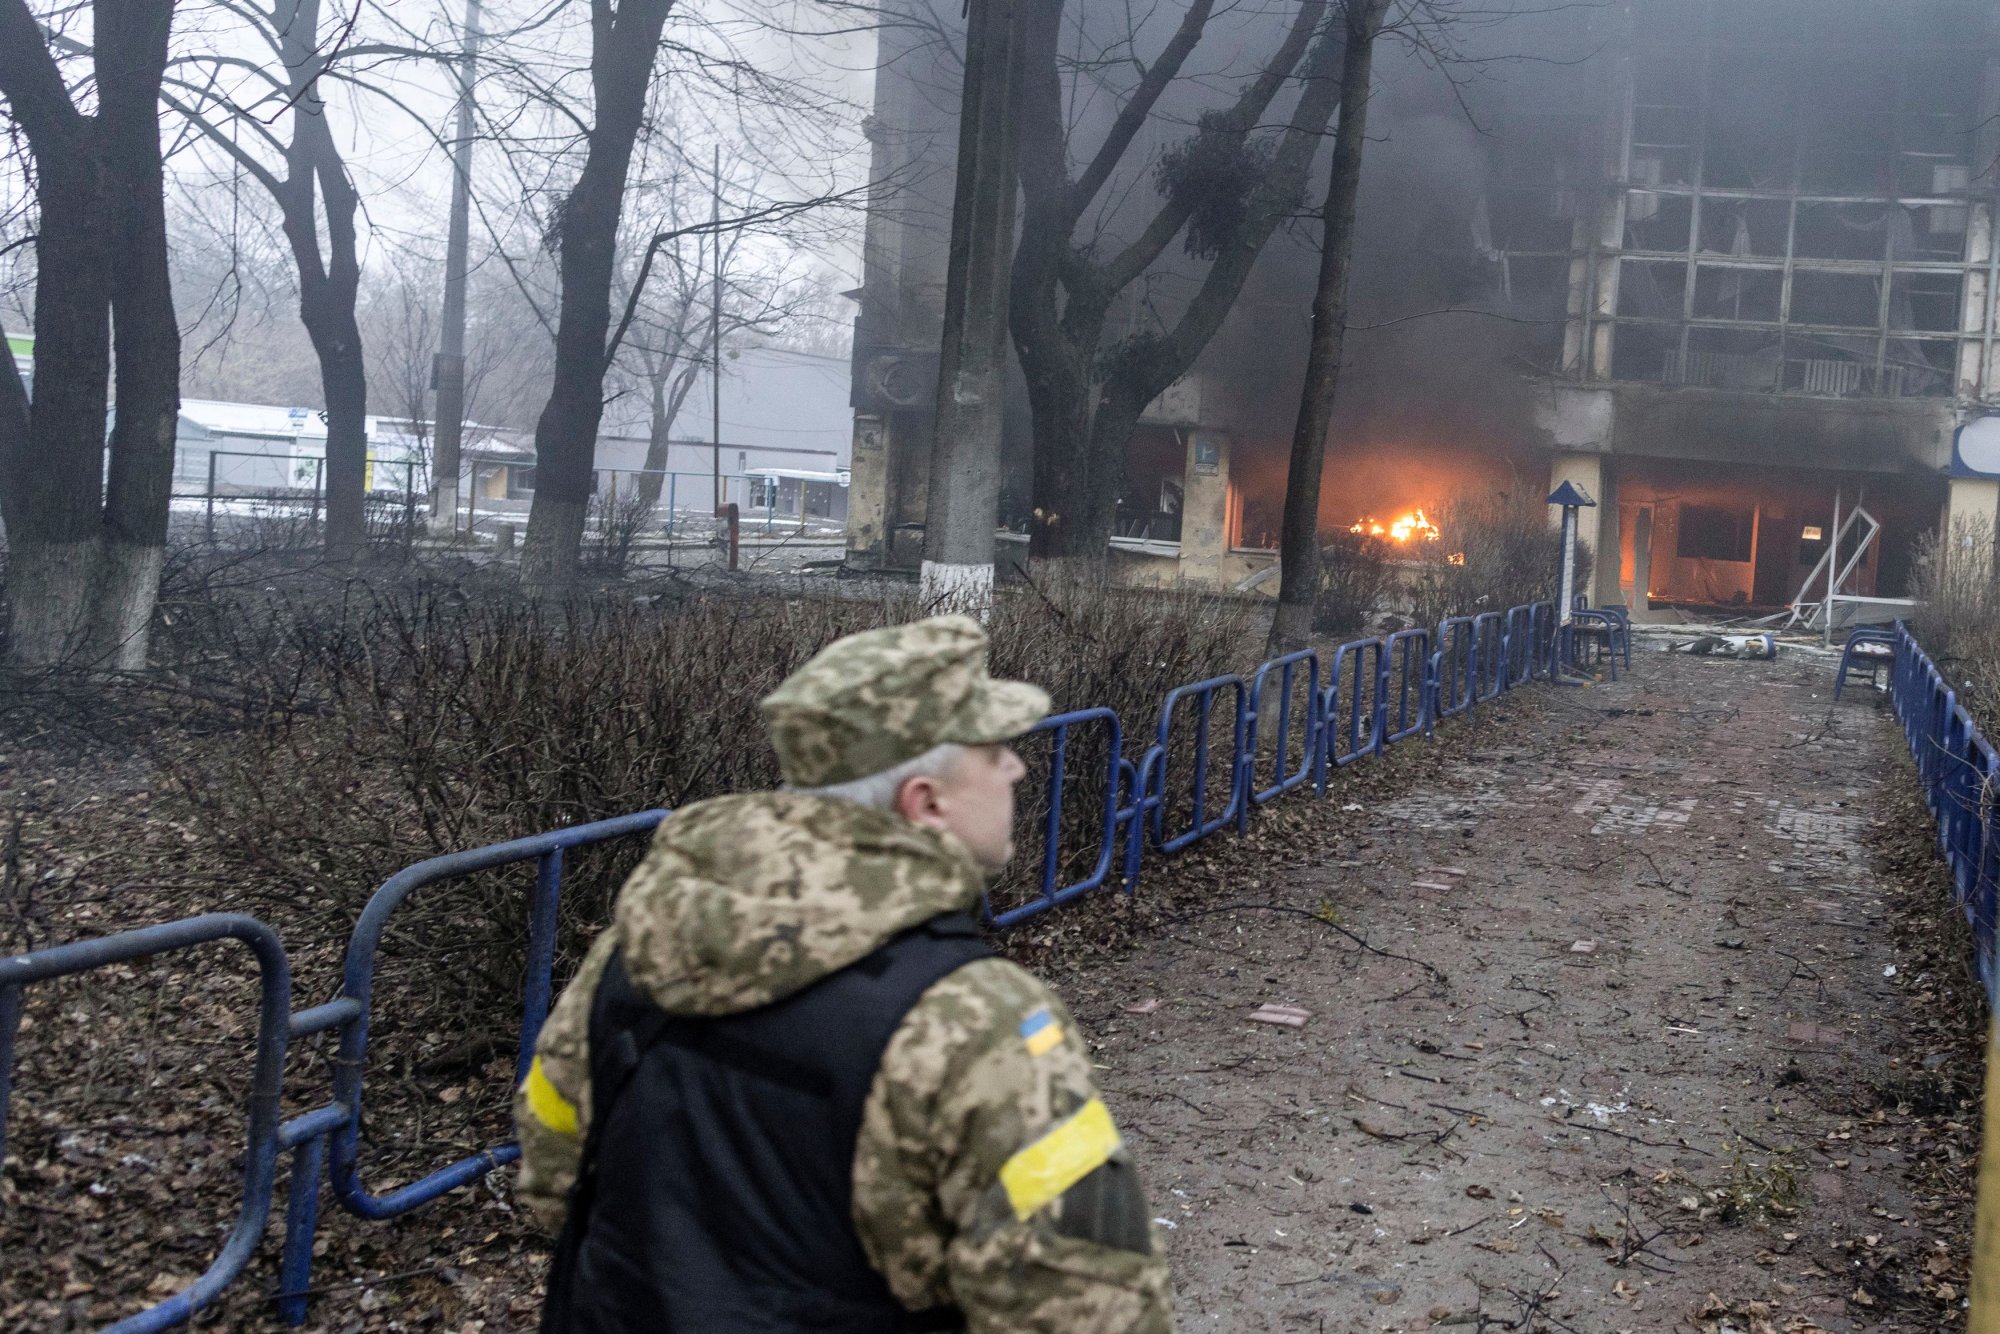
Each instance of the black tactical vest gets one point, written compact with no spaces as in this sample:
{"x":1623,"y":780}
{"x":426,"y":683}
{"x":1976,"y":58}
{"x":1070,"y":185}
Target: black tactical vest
{"x":716,"y":1186}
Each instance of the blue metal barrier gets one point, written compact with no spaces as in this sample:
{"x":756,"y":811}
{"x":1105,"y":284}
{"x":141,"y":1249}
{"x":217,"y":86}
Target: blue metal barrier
{"x":358,"y":986}
{"x":274,"y":1005}
{"x":1959,"y":771}
{"x":1518,"y":646}
{"x":1200,"y":823}
{"x":1865,"y":650}
{"x":1455,"y":665}
{"x":1583,"y":632}
{"x":1120,"y":779}
{"x":1406,"y":676}
{"x":1353,"y":715}
{"x":1375,"y":692}
{"x":1311,"y":767}
{"x":1545,"y":633}
{"x":1489,"y":654}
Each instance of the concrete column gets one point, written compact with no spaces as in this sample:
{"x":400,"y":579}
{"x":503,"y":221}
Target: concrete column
{"x":1206,"y":513}
{"x":1972,"y":510}
{"x":1593,"y":475}
{"x":1607,"y":541}
{"x":1587,"y":471}
{"x":868,"y":493}
{"x":1642,"y":560}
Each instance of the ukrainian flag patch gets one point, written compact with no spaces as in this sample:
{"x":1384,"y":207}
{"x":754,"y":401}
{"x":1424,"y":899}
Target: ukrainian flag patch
{"x":1040,"y":1033}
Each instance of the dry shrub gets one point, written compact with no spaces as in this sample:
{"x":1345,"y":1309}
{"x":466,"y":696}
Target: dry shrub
{"x":1355,"y":576}
{"x":613,"y":525}
{"x":388,"y":727}
{"x":1511,"y":557}
{"x":1953,"y":578}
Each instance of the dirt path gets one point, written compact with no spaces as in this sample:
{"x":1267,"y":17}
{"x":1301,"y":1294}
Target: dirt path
{"x":1644,"y":1070}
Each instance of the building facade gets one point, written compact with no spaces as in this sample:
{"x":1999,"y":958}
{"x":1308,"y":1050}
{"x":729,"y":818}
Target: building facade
{"x":1773,"y":225}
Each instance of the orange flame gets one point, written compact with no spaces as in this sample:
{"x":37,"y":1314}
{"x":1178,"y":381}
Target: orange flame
{"x":1415,"y":524}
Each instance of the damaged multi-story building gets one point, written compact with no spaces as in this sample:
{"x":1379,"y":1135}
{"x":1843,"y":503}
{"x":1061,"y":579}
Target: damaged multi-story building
{"x":1728,"y":264}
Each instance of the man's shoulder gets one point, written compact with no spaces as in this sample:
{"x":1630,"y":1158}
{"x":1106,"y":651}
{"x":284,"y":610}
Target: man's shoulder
{"x":986,"y":1014}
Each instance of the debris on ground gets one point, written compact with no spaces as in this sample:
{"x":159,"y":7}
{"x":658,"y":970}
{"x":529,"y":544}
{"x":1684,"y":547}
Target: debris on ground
{"x":1290,"y":1016}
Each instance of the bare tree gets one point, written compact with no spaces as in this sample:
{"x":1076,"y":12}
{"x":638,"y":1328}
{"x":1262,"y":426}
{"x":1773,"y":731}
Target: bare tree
{"x":1298,"y":553}
{"x":695,"y":286}
{"x":1427,"y":27}
{"x":624,"y":41}
{"x":87,"y":541}
{"x":304,"y":172}
{"x":1224,"y":189}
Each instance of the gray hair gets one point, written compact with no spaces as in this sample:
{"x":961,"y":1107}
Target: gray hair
{"x":878,"y":791}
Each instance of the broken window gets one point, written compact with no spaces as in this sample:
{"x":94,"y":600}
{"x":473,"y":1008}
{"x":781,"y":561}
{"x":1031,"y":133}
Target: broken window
{"x":1646,"y":352}
{"x":1149,"y":505}
{"x":1851,"y":300}
{"x":1652,"y":289}
{"x":1727,"y":292}
{"x":1745,"y":359}
{"x":1751,"y":140}
{"x":1925,"y":302}
{"x":1745,"y":227}
{"x":1841,"y":231}
{"x":1921,"y":367}
{"x":1657,"y":221}
{"x":1715,"y":532}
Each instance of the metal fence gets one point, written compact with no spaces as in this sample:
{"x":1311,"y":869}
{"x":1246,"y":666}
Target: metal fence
{"x":1960,"y":773}
{"x":1198,"y":776}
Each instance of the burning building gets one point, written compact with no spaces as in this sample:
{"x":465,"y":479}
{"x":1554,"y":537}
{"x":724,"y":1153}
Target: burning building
{"x":1776,"y":222}
{"x":1727,"y":264}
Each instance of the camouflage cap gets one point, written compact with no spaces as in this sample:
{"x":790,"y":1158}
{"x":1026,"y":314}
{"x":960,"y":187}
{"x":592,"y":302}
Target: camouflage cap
{"x":872,"y":700}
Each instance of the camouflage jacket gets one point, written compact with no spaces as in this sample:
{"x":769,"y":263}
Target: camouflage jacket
{"x":987,"y":1174}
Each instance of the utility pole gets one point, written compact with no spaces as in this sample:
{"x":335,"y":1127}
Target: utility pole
{"x":715,"y":315}
{"x":448,"y":366}
{"x":964,"y":498}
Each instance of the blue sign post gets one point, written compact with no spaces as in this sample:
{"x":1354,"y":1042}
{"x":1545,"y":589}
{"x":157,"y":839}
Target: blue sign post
{"x":1572,"y":498}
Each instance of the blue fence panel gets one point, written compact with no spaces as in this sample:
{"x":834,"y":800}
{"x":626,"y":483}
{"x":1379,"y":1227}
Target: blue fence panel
{"x":274,"y":1004}
{"x":546,"y":851}
{"x":1518,"y":646}
{"x":1351,"y":709}
{"x":1200,"y":823}
{"x":1455,"y":665}
{"x":1118,"y":818}
{"x":1960,"y":774}
{"x":1407,"y":691}
{"x":1489,"y":654}
{"x":1309,"y":766}
{"x":1545,"y":634}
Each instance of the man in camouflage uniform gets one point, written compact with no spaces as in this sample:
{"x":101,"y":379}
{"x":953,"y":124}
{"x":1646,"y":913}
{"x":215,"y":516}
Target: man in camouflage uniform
{"x":988,"y":1188}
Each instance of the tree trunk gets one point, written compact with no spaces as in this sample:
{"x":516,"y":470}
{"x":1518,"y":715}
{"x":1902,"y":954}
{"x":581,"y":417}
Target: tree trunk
{"x":131,"y":40}
{"x":1298,"y":544}
{"x":56,"y":479}
{"x":54,"y":471}
{"x":343,"y":366}
{"x":669,"y":393}
{"x":621,"y":65}
{"x":963,"y":500}
{"x":316,"y":184}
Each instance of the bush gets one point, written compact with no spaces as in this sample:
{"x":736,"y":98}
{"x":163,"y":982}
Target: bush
{"x":1355,"y":578}
{"x":1502,"y":553}
{"x":612,"y":525}
{"x":1958,"y":619}
{"x":375,"y":729}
